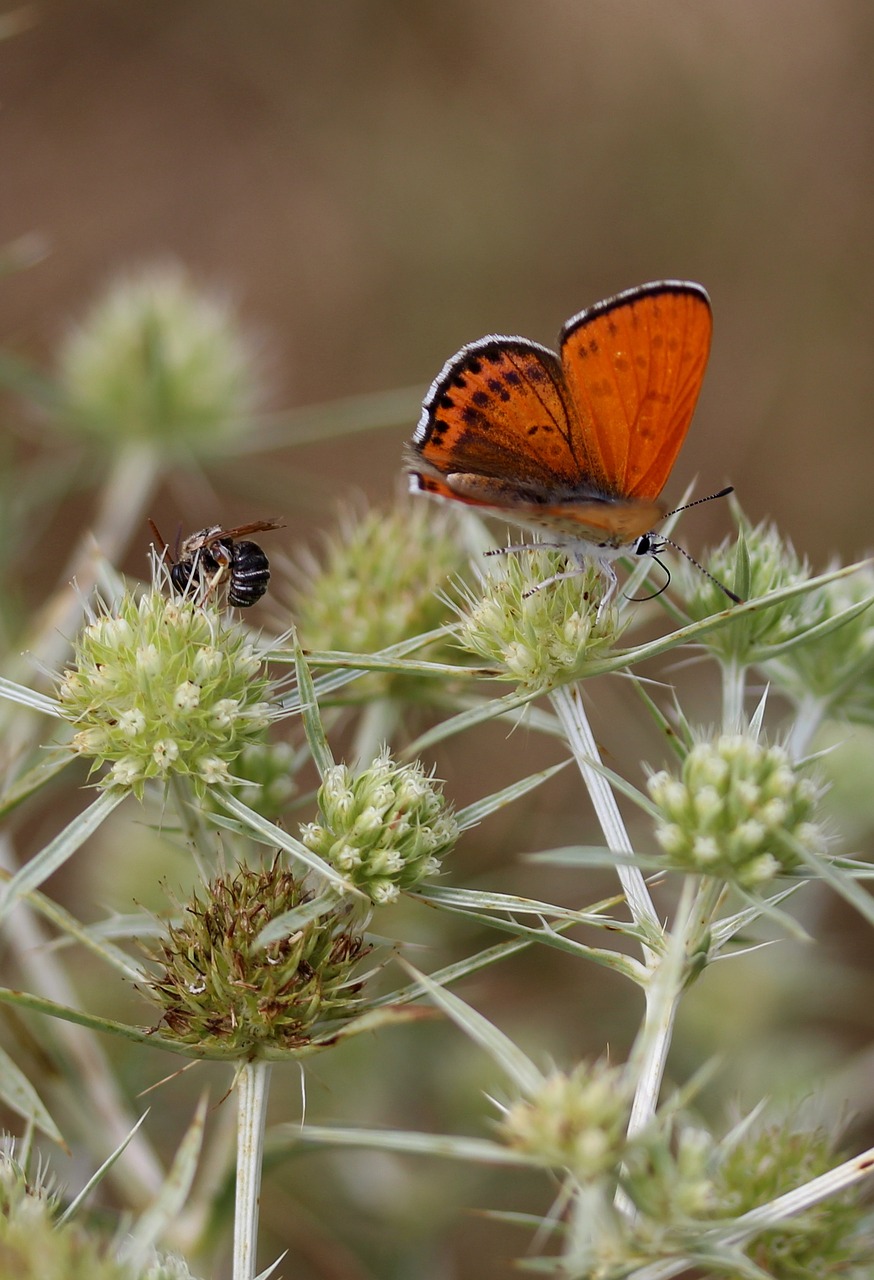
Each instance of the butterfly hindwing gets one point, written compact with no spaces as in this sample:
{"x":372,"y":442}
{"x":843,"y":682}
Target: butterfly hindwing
{"x":498,"y":409}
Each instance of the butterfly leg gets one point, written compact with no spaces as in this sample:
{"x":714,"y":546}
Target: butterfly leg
{"x":518,"y":547}
{"x":612,"y":582}
{"x":556,"y":577}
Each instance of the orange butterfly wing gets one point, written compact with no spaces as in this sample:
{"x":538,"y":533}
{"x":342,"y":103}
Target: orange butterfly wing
{"x":633,"y":366}
{"x":498,"y":412}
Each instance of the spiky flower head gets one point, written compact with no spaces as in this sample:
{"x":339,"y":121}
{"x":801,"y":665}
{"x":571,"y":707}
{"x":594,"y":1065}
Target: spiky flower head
{"x":35,"y":1245}
{"x":159,"y":359}
{"x":670,"y":1175}
{"x":385,"y":828}
{"x":758,"y":562}
{"x":540,"y":635}
{"x":220,"y":989}
{"x":739,"y":810}
{"x":377,"y":580}
{"x":575,"y":1121}
{"x":832,"y":1238}
{"x":836,"y":669}
{"x":160,"y":687}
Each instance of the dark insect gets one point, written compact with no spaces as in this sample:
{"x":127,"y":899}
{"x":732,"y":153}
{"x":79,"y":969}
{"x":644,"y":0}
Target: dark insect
{"x":213,"y":557}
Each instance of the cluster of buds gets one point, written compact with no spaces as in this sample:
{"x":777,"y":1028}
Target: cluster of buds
{"x":541,"y":635}
{"x":575,"y":1121}
{"x":160,"y":687}
{"x":739,"y":810}
{"x":159,"y":359}
{"x":361,"y":596}
{"x":35,"y":1242}
{"x":384,"y":829}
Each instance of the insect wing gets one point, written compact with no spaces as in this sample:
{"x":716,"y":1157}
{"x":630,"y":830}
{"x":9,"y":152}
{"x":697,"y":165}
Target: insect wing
{"x":257,"y":526}
{"x":497,"y":410}
{"x":634,"y":365}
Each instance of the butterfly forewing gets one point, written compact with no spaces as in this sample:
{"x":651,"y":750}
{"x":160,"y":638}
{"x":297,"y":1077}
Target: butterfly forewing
{"x":499,"y":409}
{"x":633,"y":366}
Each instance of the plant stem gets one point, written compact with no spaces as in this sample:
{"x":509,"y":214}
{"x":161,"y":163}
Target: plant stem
{"x":121,"y":504}
{"x":100,"y":1112}
{"x":662,"y":998}
{"x":376,"y":726}
{"x":808,"y":717}
{"x":253,"y":1088}
{"x":568,"y":704}
{"x":733,"y":691}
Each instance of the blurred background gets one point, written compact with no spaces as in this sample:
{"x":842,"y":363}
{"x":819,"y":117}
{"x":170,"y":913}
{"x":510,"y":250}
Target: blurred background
{"x":376,"y":183}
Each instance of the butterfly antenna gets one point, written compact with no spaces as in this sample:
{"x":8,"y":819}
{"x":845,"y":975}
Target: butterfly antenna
{"x":662,"y":589}
{"x":723,"y":493}
{"x":700,"y":567}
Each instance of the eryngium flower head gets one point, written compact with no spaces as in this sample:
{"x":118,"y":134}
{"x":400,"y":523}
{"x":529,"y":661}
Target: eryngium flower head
{"x":758,"y":562}
{"x":35,"y":1245}
{"x":739,"y":810}
{"x":832,"y":1238}
{"x":160,"y":687}
{"x":384,"y":829}
{"x":670,"y":1177}
{"x":541,"y":635}
{"x":220,"y":989}
{"x":362,"y":595}
{"x":575,"y":1121}
{"x":836,"y":669}
{"x":158,"y":359}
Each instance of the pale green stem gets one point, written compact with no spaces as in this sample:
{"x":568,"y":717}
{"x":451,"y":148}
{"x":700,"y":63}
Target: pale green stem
{"x":733,"y":691}
{"x":568,"y":704}
{"x":376,"y":726}
{"x":253,"y":1088}
{"x":662,"y":998}
{"x":101,"y":1112}
{"x":120,"y":510}
{"x":668,"y":971}
{"x":120,"y":513}
{"x":199,"y":836}
{"x":809,"y":715}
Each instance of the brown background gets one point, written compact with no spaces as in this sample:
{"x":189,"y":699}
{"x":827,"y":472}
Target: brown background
{"x":381,"y":182}
{"x":378,"y":183}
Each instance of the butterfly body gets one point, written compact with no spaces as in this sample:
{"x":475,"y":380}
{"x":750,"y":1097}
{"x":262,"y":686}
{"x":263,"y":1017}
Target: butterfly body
{"x":577,"y":445}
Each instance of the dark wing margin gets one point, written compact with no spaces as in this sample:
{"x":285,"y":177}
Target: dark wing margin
{"x":499,"y":408}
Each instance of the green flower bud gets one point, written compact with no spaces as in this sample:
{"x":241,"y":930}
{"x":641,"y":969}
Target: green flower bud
{"x":738,"y":811}
{"x":34,"y":1245}
{"x":760,"y":561}
{"x":541,"y":638}
{"x":838,"y":668}
{"x":384,"y":829}
{"x":157,"y":359}
{"x":831,"y":1238}
{"x":575,"y":1121}
{"x":363,"y":596}
{"x":142,"y":697}
{"x":670,"y":1178}
{"x":218,"y":989}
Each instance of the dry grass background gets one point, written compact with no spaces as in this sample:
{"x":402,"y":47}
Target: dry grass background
{"x":377,"y":183}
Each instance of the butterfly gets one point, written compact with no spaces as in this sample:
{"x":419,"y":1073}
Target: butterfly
{"x":577,"y":445}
